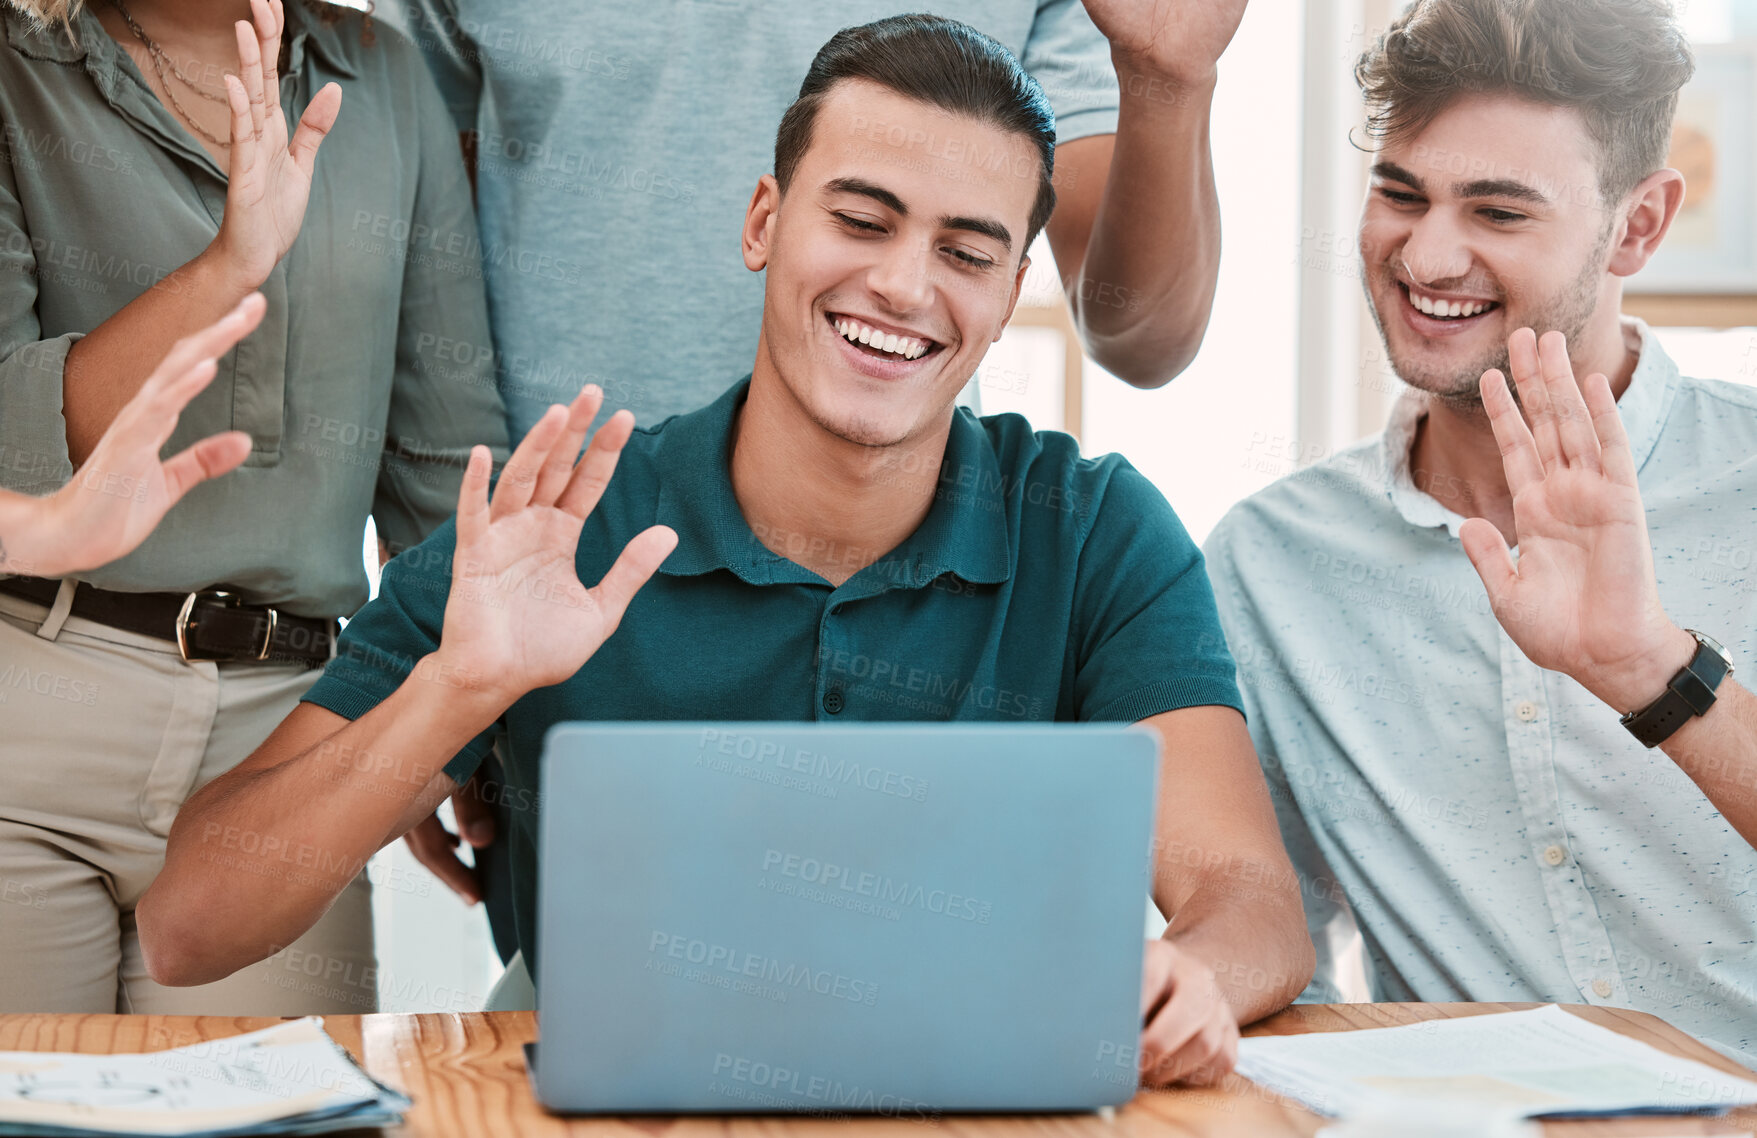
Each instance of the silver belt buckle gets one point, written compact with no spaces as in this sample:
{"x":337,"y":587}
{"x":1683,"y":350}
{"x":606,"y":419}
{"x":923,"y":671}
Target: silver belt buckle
{"x":231,"y":600}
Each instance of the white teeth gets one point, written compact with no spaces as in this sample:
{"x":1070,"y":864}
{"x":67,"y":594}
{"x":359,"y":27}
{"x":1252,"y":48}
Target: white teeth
{"x":1448,"y":310}
{"x":908,"y":347}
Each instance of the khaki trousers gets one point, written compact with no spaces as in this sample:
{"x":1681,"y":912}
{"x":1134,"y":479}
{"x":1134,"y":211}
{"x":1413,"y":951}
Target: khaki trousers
{"x":103,"y":736}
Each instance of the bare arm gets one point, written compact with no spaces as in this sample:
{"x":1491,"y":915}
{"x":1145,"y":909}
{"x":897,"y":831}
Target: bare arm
{"x":268,"y":186}
{"x":517,"y":618}
{"x":1719,"y":753}
{"x":1136,"y":229}
{"x":260,"y":853}
{"x":1236,"y":948}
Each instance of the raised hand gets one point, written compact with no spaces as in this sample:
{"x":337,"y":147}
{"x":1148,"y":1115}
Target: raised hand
{"x":123,"y":489}
{"x":269,"y":179}
{"x":1583,"y":598}
{"x":1179,"y":39}
{"x":518,"y":615}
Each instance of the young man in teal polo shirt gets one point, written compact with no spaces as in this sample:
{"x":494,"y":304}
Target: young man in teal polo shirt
{"x":829,"y":540}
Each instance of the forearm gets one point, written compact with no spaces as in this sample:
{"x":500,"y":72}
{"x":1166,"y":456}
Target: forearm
{"x":1254,"y":938}
{"x":1146,"y":286}
{"x":258,"y":855}
{"x":23,"y":528}
{"x":106,"y":367}
{"x":1718,"y":750}
{"x":1719,"y":753}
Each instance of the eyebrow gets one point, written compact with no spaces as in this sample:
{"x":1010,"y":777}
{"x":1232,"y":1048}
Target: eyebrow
{"x":987,"y":227}
{"x":1509,"y":188}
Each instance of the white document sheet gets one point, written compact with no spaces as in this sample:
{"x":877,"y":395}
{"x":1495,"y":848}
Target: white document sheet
{"x":291,"y":1078}
{"x":1539,"y":1063}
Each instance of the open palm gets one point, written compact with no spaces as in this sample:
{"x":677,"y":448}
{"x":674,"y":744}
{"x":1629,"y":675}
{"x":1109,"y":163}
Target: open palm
{"x":123,"y":489}
{"x":1182,"y":38}
{"x":1583,"y":598}
{"x":518,"y":614}
{"x":269,"y":179}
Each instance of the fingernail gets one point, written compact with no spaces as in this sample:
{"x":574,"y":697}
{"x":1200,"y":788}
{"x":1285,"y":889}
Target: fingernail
{"x":481,"y":833}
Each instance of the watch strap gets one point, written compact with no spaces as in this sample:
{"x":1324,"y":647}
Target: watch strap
{"x":1689,"y":693}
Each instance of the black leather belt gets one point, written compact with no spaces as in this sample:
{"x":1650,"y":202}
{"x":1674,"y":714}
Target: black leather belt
{"x":213,"y":624}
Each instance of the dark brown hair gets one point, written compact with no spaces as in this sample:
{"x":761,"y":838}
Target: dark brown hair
{"x":937,"y":61}
{"x":1618,"y":62}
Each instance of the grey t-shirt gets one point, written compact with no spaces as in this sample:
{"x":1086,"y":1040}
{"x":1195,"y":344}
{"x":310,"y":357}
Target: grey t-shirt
{"x":619,"y":144}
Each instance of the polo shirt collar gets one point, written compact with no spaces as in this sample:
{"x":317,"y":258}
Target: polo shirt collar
{"x":1643,"y":408}
{"x":965,"y":531}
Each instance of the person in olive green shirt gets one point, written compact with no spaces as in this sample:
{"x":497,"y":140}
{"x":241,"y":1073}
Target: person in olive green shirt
{"x":145,"y":191}
{"x":833,"y":539}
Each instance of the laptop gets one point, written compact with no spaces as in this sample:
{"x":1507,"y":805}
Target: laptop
{"x":899,"y":920}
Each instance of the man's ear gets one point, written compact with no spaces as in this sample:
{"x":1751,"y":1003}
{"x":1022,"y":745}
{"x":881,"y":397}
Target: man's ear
{"x":1013,"y":301}
{"x":1646,"y":219}
{"x":759,"y":222}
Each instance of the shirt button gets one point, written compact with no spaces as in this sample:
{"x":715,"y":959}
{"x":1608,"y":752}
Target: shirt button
{"x":1603,"y":988}
{"x":833,"y":701}
{"x":1525,"y":710}
{"x":1555,"y":855}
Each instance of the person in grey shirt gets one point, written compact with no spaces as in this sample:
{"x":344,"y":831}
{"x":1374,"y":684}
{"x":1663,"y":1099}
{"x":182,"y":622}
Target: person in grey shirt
{"x":616,"y":145}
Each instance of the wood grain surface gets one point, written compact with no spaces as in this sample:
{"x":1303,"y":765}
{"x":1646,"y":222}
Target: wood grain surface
{"x":466,"y":1074}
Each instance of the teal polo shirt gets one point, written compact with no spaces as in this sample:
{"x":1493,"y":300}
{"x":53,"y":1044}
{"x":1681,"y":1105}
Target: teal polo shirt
{"x":1040,"y":586}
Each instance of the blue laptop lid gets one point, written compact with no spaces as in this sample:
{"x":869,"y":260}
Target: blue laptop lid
{"x":895,"y":918}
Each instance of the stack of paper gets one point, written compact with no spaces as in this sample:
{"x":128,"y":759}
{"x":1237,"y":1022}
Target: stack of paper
{"x":1543,"y":1063}
{"x":288,"y":1079}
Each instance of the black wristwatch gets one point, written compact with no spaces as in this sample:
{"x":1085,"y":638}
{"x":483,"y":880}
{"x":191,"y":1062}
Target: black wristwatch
{"x":1690,"y":692}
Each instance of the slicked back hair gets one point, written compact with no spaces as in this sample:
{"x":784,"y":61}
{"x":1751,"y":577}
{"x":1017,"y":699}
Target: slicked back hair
{"x":937,"y":61}
{"x":1619,"y":63}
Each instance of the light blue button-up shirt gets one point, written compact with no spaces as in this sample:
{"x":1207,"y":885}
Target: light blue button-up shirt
{"x":1488,"y":826}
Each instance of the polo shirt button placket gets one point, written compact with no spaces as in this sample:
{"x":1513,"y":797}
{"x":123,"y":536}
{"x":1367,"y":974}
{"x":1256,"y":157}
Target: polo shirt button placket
{"x":833,"y":701}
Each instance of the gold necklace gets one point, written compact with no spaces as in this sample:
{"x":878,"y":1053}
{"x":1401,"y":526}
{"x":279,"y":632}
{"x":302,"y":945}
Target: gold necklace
{"x":161,"y":63}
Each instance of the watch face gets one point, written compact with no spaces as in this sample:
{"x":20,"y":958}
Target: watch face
{"x":1713,"y":645}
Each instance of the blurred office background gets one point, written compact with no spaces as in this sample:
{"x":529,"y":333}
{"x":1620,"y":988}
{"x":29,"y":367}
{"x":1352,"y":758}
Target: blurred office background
{"x":1291,"y":369}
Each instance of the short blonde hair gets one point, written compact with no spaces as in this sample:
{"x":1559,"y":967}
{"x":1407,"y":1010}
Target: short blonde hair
{"x":47,"y":13}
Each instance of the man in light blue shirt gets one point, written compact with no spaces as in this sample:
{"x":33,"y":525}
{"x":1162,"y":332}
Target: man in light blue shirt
{"x":1443,"y":741}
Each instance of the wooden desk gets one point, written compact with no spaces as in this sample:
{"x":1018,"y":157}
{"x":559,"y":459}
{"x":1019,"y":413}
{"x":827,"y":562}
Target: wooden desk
{"x":466,"y":1074}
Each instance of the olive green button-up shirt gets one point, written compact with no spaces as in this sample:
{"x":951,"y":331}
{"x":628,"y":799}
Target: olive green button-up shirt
{"x":371,"y":375}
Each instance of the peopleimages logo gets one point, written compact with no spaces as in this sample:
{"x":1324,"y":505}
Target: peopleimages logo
{"x":789,"y":974}
{"x":905,"y":894}
{"x":800,"y":768}
{"x":799,"y":1087}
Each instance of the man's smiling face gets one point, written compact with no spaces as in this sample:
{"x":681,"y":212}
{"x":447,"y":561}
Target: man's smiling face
{"x":1486,"y":221}
{"x":894,"y":260}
